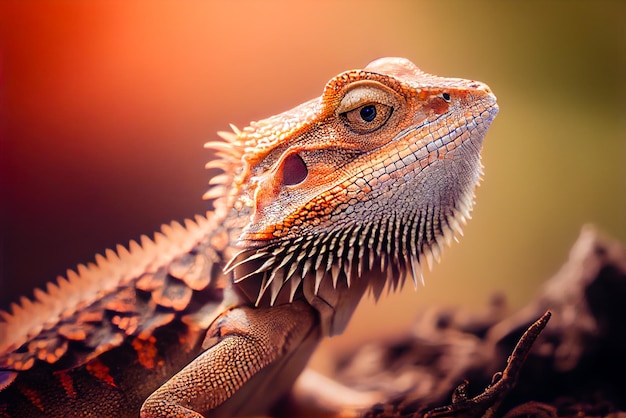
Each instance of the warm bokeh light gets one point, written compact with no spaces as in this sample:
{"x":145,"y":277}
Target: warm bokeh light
{"x":107,"y":105}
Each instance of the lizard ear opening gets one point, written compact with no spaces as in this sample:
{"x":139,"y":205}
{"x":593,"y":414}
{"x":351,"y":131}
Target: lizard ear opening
{"x":294,"y":170}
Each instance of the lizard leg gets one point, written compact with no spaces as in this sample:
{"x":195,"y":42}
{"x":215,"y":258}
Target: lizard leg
{"x":253,"y":357}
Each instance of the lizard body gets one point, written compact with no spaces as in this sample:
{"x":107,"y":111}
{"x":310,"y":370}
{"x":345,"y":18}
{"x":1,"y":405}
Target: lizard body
{"x":344,"y":194}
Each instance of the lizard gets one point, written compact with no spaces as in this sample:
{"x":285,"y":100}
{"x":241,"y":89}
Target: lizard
{"x":347,"y":194}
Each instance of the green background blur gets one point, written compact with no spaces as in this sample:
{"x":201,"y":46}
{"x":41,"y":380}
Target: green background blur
{"x":107,"y":104}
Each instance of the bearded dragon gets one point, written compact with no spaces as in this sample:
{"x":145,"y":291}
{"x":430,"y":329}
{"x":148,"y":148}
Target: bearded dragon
{"x":349,"y":193}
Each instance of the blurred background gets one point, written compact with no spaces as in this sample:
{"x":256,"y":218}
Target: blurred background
{"x":106,"y":106}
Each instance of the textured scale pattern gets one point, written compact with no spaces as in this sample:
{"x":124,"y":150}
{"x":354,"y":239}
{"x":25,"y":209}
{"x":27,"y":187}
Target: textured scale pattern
{"x":84,"y":296}
{"x":345,"y":194}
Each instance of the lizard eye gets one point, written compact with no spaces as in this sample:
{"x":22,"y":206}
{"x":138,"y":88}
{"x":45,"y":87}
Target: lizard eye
{"x":446,"y":97}
{"x":294,"y":170}
{"x":367,"y":118}
{"x":368,"y":113}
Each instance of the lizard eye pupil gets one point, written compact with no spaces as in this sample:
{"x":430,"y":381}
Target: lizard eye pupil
{"x":368,"y":113}
{"x":367,"y":118}
{"x":294,"y":170}
{"x":446,"y":96}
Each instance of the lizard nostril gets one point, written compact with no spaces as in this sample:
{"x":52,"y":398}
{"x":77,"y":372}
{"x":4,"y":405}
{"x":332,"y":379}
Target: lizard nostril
{"x":294,"y":170}
{"x":480,"y":86}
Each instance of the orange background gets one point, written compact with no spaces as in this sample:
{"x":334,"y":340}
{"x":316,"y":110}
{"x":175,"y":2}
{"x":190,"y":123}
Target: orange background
{"x":106,"y":105}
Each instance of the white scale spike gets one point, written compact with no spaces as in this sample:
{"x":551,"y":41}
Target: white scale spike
{"x":217,"y":164}
{"x":347,"y":268}
{"x":335,"y":270}
{"x":435,"y":251}
{"x":277,"y":285}
{"x":235,"y":129}
{"x":320,"y":257}
{"x":429,"y":258}
{"x":306,"y":267}
{"x":414,"y":271}
{"x":220,"y":180}
{"x":192,"y":228}
{"x":294,"y":266}
{"x":224,"y":148}
{"x":319,"y":275}
{"x":263,"y":288}
{"x":295,"y":282}
{"x":232,"y":265}
{"x":122,"y":253}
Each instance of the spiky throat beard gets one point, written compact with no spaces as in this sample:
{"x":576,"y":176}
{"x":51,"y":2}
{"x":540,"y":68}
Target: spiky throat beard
{"x":334,"y":267}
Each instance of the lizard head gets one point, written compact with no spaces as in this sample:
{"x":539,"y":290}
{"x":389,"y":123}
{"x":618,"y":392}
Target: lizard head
{"x":360,"y":185}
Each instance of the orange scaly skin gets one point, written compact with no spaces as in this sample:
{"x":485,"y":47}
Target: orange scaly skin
{"x":344,"y":194}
